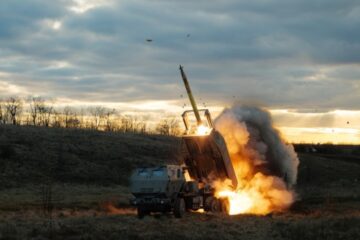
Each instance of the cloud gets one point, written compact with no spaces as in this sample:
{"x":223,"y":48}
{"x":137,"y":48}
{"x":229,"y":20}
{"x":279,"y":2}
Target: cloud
{"x":280,"y":54}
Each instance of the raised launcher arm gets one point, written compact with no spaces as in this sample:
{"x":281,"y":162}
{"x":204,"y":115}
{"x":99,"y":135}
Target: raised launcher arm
{"x":208,"y":156}
{"x":191,"y":128}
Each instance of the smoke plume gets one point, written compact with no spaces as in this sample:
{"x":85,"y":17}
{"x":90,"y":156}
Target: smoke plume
{"x":265,"y":165}
{"x":249,"y":132}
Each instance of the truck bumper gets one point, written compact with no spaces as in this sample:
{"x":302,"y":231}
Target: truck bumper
{"x":152,"y":204}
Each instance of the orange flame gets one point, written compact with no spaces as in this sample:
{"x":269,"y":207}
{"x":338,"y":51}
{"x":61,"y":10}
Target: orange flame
{"x":239,"y":202}
{"x":260,"y":195}
{"x":256,"y":193}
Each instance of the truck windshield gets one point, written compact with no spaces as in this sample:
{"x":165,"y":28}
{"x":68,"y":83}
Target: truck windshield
{"x":158,"y":172}
{"x":143,"y":173}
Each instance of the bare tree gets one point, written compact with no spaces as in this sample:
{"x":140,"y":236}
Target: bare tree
{"x":71,"y":119}
{"x":2,"y":113}
{"x":175,"y":128}
{"x":131,"y":123}
{"x":36,"y":104}
{"x":81,"y":118}
{"x":40,"y":111}
{"x":163,"y":127}
{"x":139,"y":125}
{"x":68,"y":112}
{"x":13,"y":108}
{"x":56,"y":119}
{"x":45,"y":114}
{"x":126,"y":123}
{"x":169,"y":126}
{"x":98,"y":114}
{"x":109,"y":123}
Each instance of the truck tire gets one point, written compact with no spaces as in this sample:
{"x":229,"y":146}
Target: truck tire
{"x":212,"y":204}
{"x":208,"y":203}
{"x":215,"y":205}
{"x":141,"y":212}
{"x":179,"y":208}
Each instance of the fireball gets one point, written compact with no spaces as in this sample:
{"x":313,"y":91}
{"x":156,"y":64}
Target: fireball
{"x":257,"y":192}
{"x":260,"y":195}
{"x":202,"y":130}
{"x":239,"y":202}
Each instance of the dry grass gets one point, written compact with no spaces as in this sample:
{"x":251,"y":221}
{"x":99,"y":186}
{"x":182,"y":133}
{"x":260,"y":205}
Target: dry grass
{"x":192,"y":226}
{"x":28,"y":155}
{"x":64,"y":196}
{"x":90,"y":197}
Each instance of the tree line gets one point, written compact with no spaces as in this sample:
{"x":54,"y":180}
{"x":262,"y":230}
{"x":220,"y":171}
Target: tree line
{"x":37,"y":111}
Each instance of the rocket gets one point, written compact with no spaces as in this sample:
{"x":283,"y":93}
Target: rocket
{"x":191,"y":97}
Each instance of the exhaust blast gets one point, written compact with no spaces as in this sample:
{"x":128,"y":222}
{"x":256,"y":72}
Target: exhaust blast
{"x":265,"y":166}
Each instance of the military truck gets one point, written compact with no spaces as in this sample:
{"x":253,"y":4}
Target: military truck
{"x":180,"y":188}
{"x":158,"y":189}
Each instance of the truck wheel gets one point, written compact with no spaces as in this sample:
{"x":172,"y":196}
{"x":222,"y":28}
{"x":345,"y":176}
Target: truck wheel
{"x":179,"y":208}
{"x":208,"y":203}
{"x":141,"y":212}
{"x":215,"y":205}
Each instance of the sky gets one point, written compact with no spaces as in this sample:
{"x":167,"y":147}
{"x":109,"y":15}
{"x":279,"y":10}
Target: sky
{"x":298,"y":59}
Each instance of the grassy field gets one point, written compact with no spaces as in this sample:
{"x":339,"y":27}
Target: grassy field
{"x":34,"y":155}
{"x":87,"y":173}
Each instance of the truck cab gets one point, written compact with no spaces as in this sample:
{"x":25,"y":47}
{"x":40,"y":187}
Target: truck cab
{"x":156,"y":189}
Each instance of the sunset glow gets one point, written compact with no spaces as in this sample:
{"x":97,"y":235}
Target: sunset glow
{"x":124,"y":55}
{"x":336,"y":126}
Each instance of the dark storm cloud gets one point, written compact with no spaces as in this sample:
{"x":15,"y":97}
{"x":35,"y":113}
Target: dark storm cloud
{"x":296,"y":54}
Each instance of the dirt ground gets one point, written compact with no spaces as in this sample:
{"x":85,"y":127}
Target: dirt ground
{"x":327,"y":207}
